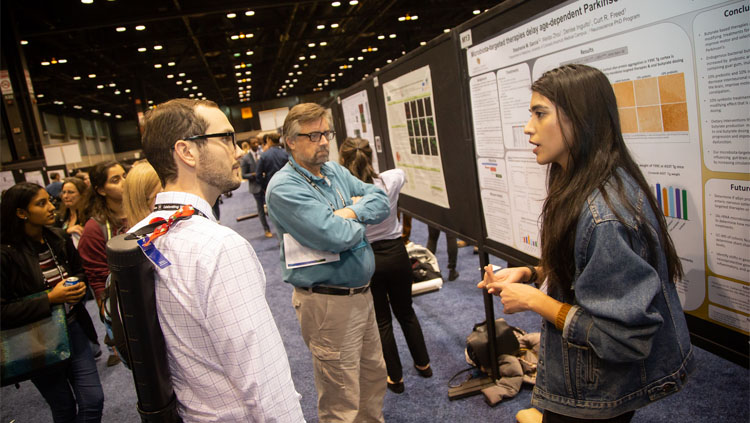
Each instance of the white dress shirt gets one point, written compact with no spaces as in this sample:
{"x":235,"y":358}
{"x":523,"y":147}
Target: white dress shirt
{"x":225,"y":353}
{"x":390,"y":181}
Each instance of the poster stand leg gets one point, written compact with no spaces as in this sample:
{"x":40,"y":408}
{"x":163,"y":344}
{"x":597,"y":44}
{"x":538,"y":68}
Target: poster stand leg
{"x":474,"y":386}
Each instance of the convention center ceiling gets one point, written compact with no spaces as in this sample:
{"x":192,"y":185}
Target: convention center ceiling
{"x":98,"y":56}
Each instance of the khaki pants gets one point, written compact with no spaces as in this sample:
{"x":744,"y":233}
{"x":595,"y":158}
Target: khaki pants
{"x":342,"y":335}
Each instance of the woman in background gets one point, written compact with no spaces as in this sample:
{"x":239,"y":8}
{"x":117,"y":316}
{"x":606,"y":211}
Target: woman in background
{"x":139,"y":191}
{"x":614,"y":336}
{"x":391,"y":283}
{"x":72,"y":213}
{"x":107,"y":220}
{"x":37,"y":257}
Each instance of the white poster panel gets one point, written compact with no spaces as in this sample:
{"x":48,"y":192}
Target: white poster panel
{"x":681,"y":74}
{"x":357,"y":121}
{"x":414,"y":138}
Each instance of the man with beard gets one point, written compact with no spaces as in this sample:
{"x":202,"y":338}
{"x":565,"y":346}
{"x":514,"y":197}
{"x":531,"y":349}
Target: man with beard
{"x":320,"y":211}
{"x":225,"y":353}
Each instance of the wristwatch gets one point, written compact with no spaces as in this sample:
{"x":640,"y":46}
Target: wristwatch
{"x":533,"y":276}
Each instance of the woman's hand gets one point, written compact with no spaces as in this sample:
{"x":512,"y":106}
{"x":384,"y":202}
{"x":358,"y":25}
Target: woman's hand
{"x":518,"y":297}
{"x":493,"y":282}
{"x":66,"y":294}
{"x":75,"y":229}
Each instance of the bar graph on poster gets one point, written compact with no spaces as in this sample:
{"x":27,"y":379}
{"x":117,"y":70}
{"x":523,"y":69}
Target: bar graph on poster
{"x":356,"y":109}
{"x":681,"y":75}
{"x":412,"y":131}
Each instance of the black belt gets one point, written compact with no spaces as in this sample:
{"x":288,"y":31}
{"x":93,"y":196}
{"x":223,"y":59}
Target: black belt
{"x":330,"y":290}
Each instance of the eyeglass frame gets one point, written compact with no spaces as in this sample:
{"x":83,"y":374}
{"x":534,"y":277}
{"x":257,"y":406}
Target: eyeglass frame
{"x":320,"y":134}
{"x":216,"y":135}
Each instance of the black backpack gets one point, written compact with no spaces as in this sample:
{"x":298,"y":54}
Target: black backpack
{"x":477,"y":346}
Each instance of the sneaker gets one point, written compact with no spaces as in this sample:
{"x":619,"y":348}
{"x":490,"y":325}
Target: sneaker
{"x":269,"y":234}
{"x":453,"y":275}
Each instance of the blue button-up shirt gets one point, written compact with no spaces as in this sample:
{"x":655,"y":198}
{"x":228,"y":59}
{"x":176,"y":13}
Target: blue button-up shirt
{"x":306,"y":213}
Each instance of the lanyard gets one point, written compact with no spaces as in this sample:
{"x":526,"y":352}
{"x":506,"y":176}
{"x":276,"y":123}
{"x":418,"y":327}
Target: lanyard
{"x":54,"y":258}
{"x":175,"y":206}
{"x":314,"y":185}
{"x":184,"y":212}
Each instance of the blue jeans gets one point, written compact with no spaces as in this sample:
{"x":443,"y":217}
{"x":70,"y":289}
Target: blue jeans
{"x":84,"y":402}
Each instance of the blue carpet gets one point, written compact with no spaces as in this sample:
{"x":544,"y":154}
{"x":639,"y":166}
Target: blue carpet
{"x":718,"y":391}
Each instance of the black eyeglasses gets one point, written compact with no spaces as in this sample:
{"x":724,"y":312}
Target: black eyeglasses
{"x":315,"y":136}
{"x":226,"y":135}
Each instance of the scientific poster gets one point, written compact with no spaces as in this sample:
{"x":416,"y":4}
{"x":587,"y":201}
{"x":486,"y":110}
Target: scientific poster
{"x":357,"y":121}
{"x":681,"y":74}
{"x":413,"y":134}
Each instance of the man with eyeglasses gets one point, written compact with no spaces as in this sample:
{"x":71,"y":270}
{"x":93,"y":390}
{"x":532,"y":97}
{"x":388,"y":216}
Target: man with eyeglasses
{"x":225,"y":353}
{"x":320,"y":211}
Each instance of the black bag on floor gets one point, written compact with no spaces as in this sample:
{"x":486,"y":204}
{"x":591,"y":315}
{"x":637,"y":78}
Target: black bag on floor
{"x":477,"y":348}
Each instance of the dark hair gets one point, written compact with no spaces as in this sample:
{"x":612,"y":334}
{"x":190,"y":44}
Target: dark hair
{"x":84,"y":193}
{"x":583,"y":96}
{"x":18,"y":196}
{"x":164,"y":125}
{"x":98,"y":203}
{"x":355,"y":154}
{"x":274,"y":137}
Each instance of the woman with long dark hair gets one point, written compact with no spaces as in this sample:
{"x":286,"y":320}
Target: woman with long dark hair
{"x":392,"y":280}
{"x":614,"y":336}
{"x":72,"y":214}
{"x":37,"y":257}
{"x":107,"y":220}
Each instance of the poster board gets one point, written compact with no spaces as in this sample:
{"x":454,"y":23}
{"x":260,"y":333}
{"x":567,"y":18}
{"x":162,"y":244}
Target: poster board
{"x":428,"y":76}
{"x":679,"y":71}
{"x":270,"y":120}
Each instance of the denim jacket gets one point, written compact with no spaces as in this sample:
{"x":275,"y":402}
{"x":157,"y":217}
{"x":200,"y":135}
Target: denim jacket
{"x":625,"y":342}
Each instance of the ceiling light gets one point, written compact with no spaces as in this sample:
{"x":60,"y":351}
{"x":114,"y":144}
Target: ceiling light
{"x":79,"y":107}
{"x":249,"y":52}
{"x":94,"y":111}
{"x":238,"y":74}
{"x":181,"y":74}
{"x":117,"y":92}
{"x":294,"y":80}
{"x":236,"y":55}
{"x":142,"y":49}
{"x":401,"y":18}
{"x":249,"y":13}
{"x":107,"y":114}
{"x":476,"y":12}
{"x":171,"y":64}
{"x":62,"y":61}
{"x":199,"y":94}
{"x":112,"y":85}
{"x":121,"y":29}
{"x":100,"y":86}
{"x":422,"y":43}
{"x":291,"y":73}
{"x":45,"y":63}
{"x":127,"y":90}
{"x":323,"y":43}
{"x":381,"y":37}
{"x":158,"y":47}
{"x":341,"y":73}
{"x":333,"y":74}
{"x":76,"y":78}
{"x":24,"y":42}
{"x":188,"y":81}
{"x":39,"y":95}
{"x":389,"y":61}
{"x":287,"y":81}
{"x":313,"y":56}
{"x":58,"y":102}
{"x":333,"y":79}
{"x":336,"y":4}
{"x":321,"y":26}
{"x":118,"y":116}
{"x":360,"y":58}
{"x":248,"y":72}
{"x":353,"y":2}
{"x":299,"y":72}
{"x":191,"y":95}
{"x":311,"y":45}
{"x":239,"y":81}
{"x":231,"y":15}
{"x":178,"y":82}
{"x":302,"y":58}
{"x":351,"y":59}
{"x":151,"y":102}
{"x":392,"y":36}
{"x":170,"y":76}
{"x":185,"y":89}
{"x":195,"y":87}
{"x":235,"y":37}
{"x":92,"y":75}
{"x":157,"y":65}
{"x":334,"y":25}
{"x":446,"y":30}
{"x":296,"y":66}
{"x":87,"y":1}
{"x":140,"y":27}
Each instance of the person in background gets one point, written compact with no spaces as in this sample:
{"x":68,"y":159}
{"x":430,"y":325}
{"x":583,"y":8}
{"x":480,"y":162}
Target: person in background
{"x":614,"y":336}
{"x":274,"y":157}
{"x":82,"y":175}
{"x":72,"y":215}
{"x":320,"y":211}
{"x":249,"y":163}
{"x":55,"y":186}
{"x":452,"y":246}
{"x":392,"y":280}
{"x":139,"y":191}
{"x":37,"y":257}
{"x":107,"y":220}
{"x":225,"y":354}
